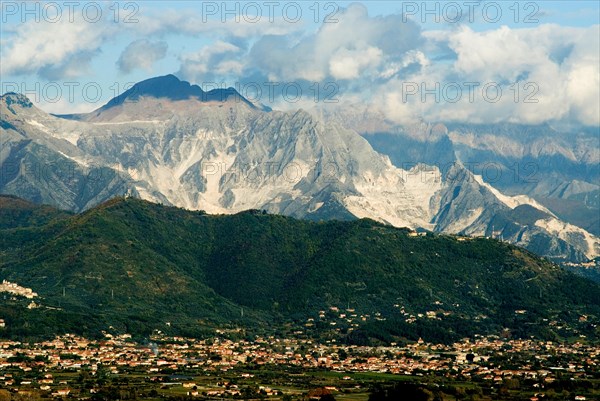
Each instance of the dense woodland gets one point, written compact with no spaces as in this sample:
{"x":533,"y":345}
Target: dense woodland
{"x":137,"y":267}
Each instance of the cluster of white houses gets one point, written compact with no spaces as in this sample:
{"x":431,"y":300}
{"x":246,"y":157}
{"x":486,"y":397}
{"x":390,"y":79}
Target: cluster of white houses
{"x":117,"y":354}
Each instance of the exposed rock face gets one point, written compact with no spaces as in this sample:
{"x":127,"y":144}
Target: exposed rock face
{"x":168,"y":141}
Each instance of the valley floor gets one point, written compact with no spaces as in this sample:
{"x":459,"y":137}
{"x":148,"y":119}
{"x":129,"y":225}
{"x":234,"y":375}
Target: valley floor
{"x":488,"y":368}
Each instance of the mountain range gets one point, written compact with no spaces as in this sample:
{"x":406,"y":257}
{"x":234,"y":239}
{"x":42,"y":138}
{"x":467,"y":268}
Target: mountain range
{"x":167,"y":141}
{"x":131,"y":266}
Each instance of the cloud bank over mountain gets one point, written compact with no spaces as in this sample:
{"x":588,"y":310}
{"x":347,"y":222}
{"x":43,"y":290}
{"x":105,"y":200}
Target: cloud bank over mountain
{"x":462,"y":72}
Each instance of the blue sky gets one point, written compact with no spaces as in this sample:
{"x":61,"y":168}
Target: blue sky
{"x":387,"y":53}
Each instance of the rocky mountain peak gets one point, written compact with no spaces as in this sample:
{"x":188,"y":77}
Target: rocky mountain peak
{"x":12,"y":99}
{"x":172,"y":88}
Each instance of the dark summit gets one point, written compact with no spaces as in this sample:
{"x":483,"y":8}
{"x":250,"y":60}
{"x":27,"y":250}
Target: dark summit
{"x":172,"y":88}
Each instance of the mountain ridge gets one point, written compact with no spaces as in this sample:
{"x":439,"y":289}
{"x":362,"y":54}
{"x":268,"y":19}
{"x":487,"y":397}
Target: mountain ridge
{"x":171,"y":87}
{"x":225,"y":157}
{"x":167,"y":88}
{"x":135,"y":266}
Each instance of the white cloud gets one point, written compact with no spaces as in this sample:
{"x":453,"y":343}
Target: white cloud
{"x":371,"y":58}
{"x":583,"y":79}
{"x":141,"y":54}
{"x":192,"y":22}
{"x":547,"y":73}
{"x":339,"y":50}
{"x":60,"y":49}
{"x":349,"y":64}
{"x":582,"y":91}
{"x":211,"y":62}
